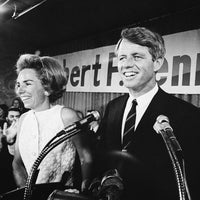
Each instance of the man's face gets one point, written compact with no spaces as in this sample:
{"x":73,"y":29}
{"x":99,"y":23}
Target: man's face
{"x":136,"y":67}
{"x":12,"y":116}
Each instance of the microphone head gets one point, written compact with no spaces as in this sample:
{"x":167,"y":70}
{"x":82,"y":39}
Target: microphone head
{"x":162,"y":118}
{"x":111,"y":186}
{"x":95,"y":186}
{"x":162,"y":124}
{"x":112,"y":177}
{"x":96,"y":115}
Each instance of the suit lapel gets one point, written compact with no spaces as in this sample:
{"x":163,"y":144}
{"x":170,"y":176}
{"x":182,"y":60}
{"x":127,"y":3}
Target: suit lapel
{"x":154,"y":109}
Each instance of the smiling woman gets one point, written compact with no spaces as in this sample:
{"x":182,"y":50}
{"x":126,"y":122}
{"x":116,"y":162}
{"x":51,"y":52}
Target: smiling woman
{"x":40,"y":82}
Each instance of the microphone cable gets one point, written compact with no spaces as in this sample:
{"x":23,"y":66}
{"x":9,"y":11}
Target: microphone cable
{"x":61,"y":136}
{"x":177,"y":167}
{"x":163,"y":128}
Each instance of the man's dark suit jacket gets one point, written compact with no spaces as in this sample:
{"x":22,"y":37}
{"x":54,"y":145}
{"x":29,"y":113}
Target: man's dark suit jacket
{"x":146,"y":168}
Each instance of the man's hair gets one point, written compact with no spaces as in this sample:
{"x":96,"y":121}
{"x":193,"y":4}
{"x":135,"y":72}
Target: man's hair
{"x":144,"y":37}
{"x":51,"y":74}
{"x":14,"y":109}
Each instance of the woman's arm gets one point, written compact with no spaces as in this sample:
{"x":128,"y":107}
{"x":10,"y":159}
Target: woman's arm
{"x":82,"y":145}
{"x":19,"y":170}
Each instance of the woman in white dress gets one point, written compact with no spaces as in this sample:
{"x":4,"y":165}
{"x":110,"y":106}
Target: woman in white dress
{"x":40,"y":82}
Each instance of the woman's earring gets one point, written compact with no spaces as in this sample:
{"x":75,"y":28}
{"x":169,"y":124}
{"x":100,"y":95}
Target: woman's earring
{"x":46,"y":93}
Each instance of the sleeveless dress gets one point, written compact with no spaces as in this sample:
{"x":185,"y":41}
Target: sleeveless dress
{"x":36,"y":130}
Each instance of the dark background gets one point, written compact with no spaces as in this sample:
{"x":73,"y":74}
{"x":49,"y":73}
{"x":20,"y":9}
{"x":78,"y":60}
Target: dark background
{"x":56,"y":22}
{"x":60,"y":26}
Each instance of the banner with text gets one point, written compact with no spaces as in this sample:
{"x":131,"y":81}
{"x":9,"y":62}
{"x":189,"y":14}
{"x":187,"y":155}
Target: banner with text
{"x":95,"y":70}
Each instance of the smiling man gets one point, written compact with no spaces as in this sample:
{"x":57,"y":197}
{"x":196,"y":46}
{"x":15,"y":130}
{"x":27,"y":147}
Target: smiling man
{"x":138,"y":152}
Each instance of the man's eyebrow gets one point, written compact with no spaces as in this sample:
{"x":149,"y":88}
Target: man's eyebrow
{"x":28,"y":80}
{"x":138,"y":53}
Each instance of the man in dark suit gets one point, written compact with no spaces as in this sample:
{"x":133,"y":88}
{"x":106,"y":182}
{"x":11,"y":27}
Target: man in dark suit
{"x":144,"y":163}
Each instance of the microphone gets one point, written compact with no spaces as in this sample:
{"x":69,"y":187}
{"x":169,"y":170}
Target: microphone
{"x":93,"y":116}
{"x":111,"y":186}
{"x":163,"y":127}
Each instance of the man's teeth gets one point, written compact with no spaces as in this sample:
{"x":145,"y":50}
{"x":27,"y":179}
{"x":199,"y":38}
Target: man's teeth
{"x":129,"y":74}
{"x":24,"y":98}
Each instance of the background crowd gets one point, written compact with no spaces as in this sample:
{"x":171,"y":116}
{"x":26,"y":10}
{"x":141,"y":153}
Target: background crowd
{"x":9,"y":115}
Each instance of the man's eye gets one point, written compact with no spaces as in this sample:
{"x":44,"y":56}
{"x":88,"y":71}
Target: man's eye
{"x":137,"y":58}
{"x":120,"y":58}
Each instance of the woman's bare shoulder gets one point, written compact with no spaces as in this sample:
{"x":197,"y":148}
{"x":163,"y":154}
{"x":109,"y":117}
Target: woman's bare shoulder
{"x":69,"y":116}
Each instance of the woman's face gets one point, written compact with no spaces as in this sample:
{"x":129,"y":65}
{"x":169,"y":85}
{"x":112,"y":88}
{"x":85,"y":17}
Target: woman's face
{"x":31,"y":91}
{"x":16,"y":104}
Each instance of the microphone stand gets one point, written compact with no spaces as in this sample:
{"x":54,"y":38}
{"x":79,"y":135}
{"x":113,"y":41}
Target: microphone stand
{"x":175,"y":153}
{"x":48,"y":147}
{"x":60,"y":137}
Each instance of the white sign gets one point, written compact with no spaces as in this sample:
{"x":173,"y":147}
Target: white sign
{"x":95,"y":70}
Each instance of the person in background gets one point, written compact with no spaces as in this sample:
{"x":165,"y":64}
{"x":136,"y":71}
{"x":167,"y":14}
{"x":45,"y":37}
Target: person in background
{"x":138,"y":152}
{"x":3,"y":114}
{"x":7,"y":182}
{"x":11,"y":121}
{"x":18,"y":103}
{"x":13,"y":115}
{"x":40,"y":82}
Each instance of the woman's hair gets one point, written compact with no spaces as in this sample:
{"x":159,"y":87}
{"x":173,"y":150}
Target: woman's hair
{"x":144,"y":37}
{"x":51,"y":74}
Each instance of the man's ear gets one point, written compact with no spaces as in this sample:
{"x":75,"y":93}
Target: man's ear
{"x":158,"y":64}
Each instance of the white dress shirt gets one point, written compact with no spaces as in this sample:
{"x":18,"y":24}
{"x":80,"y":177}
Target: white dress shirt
{"x":142,"y":104}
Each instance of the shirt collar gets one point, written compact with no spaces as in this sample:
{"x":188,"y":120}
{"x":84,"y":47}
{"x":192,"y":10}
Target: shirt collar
{"x":145,"y":98}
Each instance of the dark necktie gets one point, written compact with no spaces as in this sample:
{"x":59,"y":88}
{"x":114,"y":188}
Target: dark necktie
{"x":129,"y":125}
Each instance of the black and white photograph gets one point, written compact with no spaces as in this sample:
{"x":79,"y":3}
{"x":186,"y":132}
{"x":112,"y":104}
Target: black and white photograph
{"x":99,"y":100}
